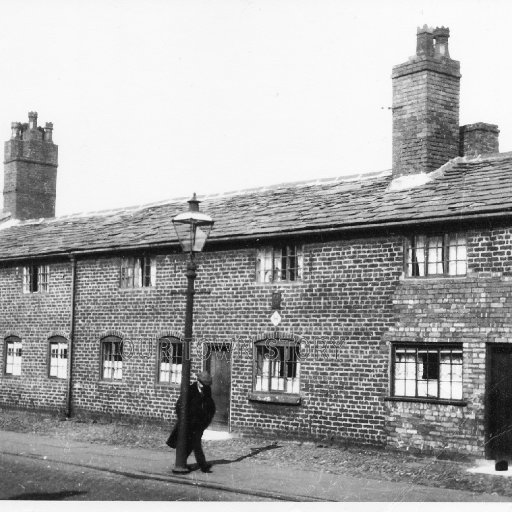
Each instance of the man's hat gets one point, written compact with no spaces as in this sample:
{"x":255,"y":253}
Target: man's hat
{"x":204,"y":378}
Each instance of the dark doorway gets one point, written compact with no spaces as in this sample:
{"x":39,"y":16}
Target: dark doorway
{"x":499,"y":401}
{"x":218,"y":363}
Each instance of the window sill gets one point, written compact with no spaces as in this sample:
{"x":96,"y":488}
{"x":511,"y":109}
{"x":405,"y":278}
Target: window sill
{"x":274,"y":398}
{"x":433,"y":277}
{"x":280,"y":283}
{"x":137,"y":289}
{"x":425,"y":400}
{"x":168,"y":384}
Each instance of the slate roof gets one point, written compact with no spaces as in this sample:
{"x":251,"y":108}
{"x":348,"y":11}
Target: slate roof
{"x":459,"y":189}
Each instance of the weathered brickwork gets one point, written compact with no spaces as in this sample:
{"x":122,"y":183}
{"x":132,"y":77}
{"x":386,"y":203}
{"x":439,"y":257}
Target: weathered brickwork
{"x":139,"y":317}
{"x":342,"y":335}
{"x":30,"y":172}
{"x":473,"y":310}
{"x":425,"y":109}
{"x":34,"y":318}
{"x":337,"y":310}
{"x":342,"y":315}
{"x":479,"y":139}
{"x":351,"y":304}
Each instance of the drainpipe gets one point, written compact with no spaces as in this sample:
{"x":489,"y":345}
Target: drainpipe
{"x":71,"y":335}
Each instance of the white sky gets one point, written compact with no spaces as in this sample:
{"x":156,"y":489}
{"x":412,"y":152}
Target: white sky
{"x":153,"y":99}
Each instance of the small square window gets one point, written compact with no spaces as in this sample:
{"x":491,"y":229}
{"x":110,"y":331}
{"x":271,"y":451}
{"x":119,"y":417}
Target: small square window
{"x":436,"y":255}
{"x":36,"y":278}
{"x":138,"y":272}
{"x":283,"y":263}
{"x":277,"y":366}
{"x":427,"y":371}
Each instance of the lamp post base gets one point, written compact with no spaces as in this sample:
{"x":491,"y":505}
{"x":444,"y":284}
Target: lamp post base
{"x":181,"y":470}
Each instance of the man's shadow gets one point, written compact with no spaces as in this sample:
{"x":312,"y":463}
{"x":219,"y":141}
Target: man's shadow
{"x":254,"y":452}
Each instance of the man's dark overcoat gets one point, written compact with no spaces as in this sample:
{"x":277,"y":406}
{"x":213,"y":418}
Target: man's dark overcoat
{"x":201,"y":411}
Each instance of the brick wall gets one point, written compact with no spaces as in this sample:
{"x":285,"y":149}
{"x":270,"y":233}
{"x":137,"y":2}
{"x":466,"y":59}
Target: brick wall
{"x":338,"y":310}
{"x":479,"y":139}
{"x":341,"y":314}
{"x":352,"y":302}
{"x":473,"y":310}
{"x":34,"y":317}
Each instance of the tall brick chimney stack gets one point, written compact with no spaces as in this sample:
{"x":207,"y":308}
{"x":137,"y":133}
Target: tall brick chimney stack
{"x":426,"y":92}
{"x":30,"y":171}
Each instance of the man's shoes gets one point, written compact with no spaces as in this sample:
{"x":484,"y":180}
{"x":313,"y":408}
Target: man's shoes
{"x":207,"y":468}
{"x":180,"y":471}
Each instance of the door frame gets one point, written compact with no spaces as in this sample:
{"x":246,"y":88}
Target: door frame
{"x":207,"y":366}
{"x":487,"y":396}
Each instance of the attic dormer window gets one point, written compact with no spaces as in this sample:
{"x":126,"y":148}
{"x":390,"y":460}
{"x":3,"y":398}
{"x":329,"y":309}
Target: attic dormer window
{"x":282,"y":263}
{"x":36,"y":278}
{"x":436,"y":255}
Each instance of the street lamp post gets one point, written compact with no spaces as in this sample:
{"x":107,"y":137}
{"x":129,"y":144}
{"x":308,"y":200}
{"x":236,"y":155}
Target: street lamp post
{"x":192,"y":228}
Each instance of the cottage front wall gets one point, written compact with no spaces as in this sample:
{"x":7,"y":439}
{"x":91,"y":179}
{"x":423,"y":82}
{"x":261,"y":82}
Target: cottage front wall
{"x":351,"y":305}
{"x":339,"y":311}
{"x":34,"y":318}
{"x":476,"y":311}
{"x":336,"y":310}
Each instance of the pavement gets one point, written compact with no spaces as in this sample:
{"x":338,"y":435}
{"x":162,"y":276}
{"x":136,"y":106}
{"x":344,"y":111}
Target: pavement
{"x":237,"y":475}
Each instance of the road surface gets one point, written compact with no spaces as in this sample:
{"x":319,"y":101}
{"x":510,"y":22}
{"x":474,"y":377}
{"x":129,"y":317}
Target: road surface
{"x":27,"y":478}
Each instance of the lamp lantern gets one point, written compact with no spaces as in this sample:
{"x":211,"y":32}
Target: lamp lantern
{"x":192,"y":227}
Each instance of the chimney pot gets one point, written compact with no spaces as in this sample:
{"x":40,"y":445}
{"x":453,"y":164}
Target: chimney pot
{"x":32,"y":119}
{"x":425,"y":42}
{"x":48,"y":129}
{"x":15,"y":130}
{"x":441,"y":35}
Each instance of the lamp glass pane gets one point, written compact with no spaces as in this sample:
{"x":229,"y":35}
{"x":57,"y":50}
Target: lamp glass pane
{"x":192,"y":234}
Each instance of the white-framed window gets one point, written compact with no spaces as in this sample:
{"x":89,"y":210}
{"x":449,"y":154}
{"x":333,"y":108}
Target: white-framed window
{"x":13,"y":355}
{"x":277,"y":366}
{"x":58,"y":349}
{"x":436,"y":255}
{"x":427,"y":371}
{"x":111,"y":358}
{"x":138,"y":272}
{"x":170,"y":359}
{"x":36,"y":278}
{"x":283,"y":263}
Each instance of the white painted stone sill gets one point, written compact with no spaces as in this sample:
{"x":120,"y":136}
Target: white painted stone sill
{"x":274,"y":398}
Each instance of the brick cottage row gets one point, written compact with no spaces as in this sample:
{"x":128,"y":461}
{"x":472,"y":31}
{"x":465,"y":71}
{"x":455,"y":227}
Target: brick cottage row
{"x":129,"y":315}
{"x":372,"y":308}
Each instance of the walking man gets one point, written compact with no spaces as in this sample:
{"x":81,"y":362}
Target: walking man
{"x":200,"y":414}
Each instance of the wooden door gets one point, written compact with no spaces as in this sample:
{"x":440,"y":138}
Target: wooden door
{"x":218,"y":363}
{"x":499,"y":402}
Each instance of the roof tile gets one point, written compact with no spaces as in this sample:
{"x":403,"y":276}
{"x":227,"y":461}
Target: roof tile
{"x":461,"y":188}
